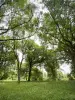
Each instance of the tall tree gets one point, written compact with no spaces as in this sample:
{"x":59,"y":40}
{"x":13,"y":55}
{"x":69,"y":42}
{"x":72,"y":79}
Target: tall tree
{"x":59,"y":25}
{"x":16,"y":23}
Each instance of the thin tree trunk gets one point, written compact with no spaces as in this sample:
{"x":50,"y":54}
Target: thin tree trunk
{"x":73,"y":63}
{"x":18,"y":72}
{"x":30,"y":69}
{"x":18,"y":64}
{"x":19,"y":68}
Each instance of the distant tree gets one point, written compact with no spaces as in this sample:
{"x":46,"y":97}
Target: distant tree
{"x":36,"y":74}
{"x":51,"y":64}
{"x":33,"y":55}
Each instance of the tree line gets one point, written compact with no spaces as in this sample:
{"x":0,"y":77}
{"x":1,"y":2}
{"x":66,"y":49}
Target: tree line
{"x":18,"y":24}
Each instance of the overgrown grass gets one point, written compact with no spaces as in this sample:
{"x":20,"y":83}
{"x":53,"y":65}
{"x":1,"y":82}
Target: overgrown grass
{"x":37,"y":90}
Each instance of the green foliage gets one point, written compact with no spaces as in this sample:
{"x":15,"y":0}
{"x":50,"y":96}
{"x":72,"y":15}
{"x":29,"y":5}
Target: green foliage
{"x":36,"y":74}
{"x":61,"y":76}
{"x":70,"y":76}
{"x":3,"y":76}
{"x":51,"y":64}
{"x":33,"y":51}
{"x":59,"y":25}
{"x":6,"y":54}
{"x":20,"y":3}
{"x":18,"y":13}
{"x":3,"y":73}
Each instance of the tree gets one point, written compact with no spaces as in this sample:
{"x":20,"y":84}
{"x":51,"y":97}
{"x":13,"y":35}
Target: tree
{"x":36,"y":74}
{"x":60,"y":26}
{"x":6,"y":58}
{"x":51,"y":63}
{"x":19,"y":24}
{"x":18,"y":15}
{"x":33,"y":55}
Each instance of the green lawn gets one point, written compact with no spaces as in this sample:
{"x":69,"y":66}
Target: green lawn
{"x":37,"y":90}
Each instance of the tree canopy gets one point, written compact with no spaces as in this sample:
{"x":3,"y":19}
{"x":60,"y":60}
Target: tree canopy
{"x":55,"y":28}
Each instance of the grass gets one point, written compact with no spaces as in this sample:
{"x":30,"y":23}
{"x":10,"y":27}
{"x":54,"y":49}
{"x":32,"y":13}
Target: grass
{"x":37,"y":90}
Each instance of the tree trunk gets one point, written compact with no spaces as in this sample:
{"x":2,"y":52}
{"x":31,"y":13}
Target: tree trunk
{"x":19,"y":68}
{"x":18,"y":72}
{"x":53,"y":73}
{"x":73,"y":63}
{"x":30,"y":69}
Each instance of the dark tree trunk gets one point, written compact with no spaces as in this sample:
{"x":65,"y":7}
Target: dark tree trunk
{"x":53,"y":73}
{"x":30,"y":69}
{"x":18,"y":72}
{"x":73,"y":63}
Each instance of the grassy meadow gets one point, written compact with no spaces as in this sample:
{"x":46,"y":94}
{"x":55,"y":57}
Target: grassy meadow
{"x":62,"y":90}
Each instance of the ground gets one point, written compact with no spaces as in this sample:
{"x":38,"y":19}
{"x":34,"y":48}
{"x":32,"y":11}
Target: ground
{"x":63,"y":90}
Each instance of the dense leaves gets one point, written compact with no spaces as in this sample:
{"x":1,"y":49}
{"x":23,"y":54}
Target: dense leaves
{"x":61,"y":15}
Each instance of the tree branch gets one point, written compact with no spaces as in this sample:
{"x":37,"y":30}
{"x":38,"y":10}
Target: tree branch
{"x":5,"y":2}
{"x":12,"y":39}
{"x":6,"y":30}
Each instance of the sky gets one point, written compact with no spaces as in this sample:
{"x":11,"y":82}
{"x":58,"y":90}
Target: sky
{"x":65,"y":68}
